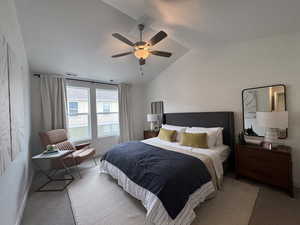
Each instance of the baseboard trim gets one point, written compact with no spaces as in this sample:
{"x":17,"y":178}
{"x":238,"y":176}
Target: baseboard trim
{"x":24,"y":200}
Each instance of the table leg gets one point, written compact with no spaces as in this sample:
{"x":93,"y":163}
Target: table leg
{"x":66,"y":168}
{"x":94,"y":160}
{"x":52,"y":179}
{"x":43,"y":172}
{"x":76,"y":165}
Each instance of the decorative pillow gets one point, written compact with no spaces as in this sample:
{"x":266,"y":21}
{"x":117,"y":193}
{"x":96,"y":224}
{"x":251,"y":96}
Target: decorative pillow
{"x":167,"y":135}
{"x":179,"y":130}
{"x":66,"y":145}
{"x":198,"y":140}
{"x":211,"y":136}
{"x":218,"y":130}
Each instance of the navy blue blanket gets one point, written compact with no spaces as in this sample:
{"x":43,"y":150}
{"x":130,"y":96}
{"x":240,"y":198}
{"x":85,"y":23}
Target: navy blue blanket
{"x":170,"y":175}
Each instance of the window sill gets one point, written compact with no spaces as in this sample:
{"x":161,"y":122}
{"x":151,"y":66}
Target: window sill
{"x":109,"y":136}
{"x":81,"y":141}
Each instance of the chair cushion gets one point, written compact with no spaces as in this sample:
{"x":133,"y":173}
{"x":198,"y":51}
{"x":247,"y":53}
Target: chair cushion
{"x":84,"y":153}
{"x":76,"y":158}
{"x":53,"y":136}
{"x":65,"y":145}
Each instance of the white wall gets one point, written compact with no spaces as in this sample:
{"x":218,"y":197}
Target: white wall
{"x":136,"y":101}
{"x":15,"y":182}
{"x":212,"y":80}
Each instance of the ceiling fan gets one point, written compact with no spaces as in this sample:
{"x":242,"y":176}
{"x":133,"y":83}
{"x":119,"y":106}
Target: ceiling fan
{"x":142,"y":49}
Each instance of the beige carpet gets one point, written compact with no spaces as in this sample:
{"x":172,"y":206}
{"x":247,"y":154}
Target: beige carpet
{"x":96,"y":199}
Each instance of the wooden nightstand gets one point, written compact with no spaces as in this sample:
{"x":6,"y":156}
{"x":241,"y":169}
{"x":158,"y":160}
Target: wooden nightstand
{"x":268,"y":166}
{"x":150,"y":134}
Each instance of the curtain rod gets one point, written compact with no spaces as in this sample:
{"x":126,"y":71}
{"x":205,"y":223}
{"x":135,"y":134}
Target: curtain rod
{"x":75,"y":79}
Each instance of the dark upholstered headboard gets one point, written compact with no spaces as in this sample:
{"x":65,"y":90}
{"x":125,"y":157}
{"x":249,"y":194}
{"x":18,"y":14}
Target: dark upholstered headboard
{"x":206,"y":119}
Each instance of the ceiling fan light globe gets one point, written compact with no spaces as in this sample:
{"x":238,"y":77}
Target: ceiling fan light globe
{"x":141,"y":53}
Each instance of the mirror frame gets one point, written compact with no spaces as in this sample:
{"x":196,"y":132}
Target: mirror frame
{"x":243,"y":111}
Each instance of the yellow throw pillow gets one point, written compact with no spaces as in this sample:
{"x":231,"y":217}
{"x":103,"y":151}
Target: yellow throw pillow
{"x":196,"y":140}
{"x":167,"y":135}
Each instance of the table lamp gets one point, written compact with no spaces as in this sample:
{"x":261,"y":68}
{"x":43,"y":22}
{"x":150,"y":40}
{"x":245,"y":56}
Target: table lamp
{"x":272,"y":121}
{"x":153,"y":119}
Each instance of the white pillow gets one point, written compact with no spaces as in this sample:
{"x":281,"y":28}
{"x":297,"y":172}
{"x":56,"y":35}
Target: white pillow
{"x":211,"y":135}
{"x":177,"y":128}
{"x":219,"y":130}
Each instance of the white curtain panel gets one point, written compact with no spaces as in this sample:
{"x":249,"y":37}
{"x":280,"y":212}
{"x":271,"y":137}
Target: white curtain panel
{"x":124,"y":114}
{"x":53,"y":93}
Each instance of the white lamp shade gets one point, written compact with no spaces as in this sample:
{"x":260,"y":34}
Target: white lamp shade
{"x":152,"y":117}
{"x":272,"y":119}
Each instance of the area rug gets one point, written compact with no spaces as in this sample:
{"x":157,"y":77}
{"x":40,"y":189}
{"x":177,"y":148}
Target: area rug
{"x":97,"y":199}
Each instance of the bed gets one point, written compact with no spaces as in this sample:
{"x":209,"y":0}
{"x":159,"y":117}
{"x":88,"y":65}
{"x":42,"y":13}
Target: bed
{"x":169,"y":179}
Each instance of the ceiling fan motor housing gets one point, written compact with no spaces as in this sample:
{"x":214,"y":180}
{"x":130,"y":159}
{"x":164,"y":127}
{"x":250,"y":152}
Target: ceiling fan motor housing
{"x":141,"y":44}
{"x":141,"y":27}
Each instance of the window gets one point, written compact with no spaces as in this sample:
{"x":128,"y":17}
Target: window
{"x":107,"y":107}
{"x":93,"y":111}
{"x":73,"y":108}
{"x":79,"y":124}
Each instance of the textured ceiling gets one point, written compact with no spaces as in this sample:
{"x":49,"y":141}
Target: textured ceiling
{"x":75,"y":35}
{"x":213,"y":23}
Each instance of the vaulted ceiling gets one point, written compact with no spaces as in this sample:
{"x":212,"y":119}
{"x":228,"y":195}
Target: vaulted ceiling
{"x":74,"y":36}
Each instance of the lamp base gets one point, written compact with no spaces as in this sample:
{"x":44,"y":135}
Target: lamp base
{"x":154,"y":126}
{"x":271,"y":137}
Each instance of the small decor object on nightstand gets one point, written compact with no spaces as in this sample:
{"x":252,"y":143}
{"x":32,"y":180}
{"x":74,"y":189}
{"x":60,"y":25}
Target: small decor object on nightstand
{"x":272,"y":121}
{"x":267,"y":145}
{"x":153,"y":119}
{"x":242,"y":138}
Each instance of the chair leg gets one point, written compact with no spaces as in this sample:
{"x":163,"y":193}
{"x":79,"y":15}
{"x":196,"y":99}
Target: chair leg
{"x":78,"y":170}
{"x":76,"y":166}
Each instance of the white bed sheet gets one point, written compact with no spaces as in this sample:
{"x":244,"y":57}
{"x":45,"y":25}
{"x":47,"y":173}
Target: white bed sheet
{"x":218,"y":154}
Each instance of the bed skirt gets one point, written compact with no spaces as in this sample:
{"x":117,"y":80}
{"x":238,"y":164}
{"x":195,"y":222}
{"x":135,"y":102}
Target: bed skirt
{"x":156,"y":213}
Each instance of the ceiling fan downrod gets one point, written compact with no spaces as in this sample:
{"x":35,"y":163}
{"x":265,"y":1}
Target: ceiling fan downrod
{"x":141,"y":28}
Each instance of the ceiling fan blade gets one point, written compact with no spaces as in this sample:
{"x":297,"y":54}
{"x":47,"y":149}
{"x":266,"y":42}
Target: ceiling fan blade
{"x":160,"y":53}
{"x":122,"y":54}
{"x":158,"y":37}
{"x":123,"y":39}
{"x":142,"y":61}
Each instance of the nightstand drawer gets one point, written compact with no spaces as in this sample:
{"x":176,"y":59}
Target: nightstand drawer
{"x":265,"y":157}
{"x":267,"y":176}
{"x":150,"y":134}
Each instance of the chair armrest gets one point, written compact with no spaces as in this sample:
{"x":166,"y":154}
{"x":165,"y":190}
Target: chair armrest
{"x":81,"y":146}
